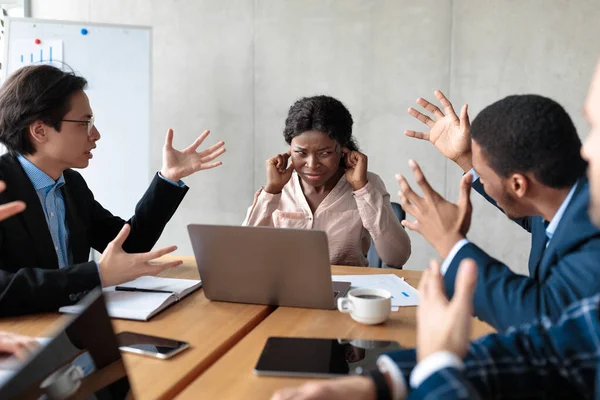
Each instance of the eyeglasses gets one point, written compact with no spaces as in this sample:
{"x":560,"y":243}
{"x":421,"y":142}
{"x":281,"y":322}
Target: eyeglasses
{"x":89,"y":122}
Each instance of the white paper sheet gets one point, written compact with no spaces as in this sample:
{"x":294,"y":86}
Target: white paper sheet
{"x":403,"y":295}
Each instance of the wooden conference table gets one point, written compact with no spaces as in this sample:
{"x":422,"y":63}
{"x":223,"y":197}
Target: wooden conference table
{"x":240,"y":330}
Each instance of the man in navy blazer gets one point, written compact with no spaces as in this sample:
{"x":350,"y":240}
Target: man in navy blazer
{"x":525,"y":151}
{"x":540,"y":359}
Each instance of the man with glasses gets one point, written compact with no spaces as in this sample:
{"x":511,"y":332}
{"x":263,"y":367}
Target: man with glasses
{"x":47,"y":125}
{"x":88,"y":121}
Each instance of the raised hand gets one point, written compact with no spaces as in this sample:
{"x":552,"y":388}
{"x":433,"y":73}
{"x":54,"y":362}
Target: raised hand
{"x":9,"y":209}
{"x":117,"y":266}
{"x":278,"y":172}
{"x":442,"y":223}
{"x":356,"y":168}
{"x":444,"y":325}
{"x":179,"y":164}
{"x":448,"y":133}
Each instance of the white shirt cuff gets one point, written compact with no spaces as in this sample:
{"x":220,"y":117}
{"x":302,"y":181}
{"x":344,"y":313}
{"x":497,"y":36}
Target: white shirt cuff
{"x":386,"y":365}
{"x":472,"y":172}
{"x":432,"y":364}
{"x":459,"y":245}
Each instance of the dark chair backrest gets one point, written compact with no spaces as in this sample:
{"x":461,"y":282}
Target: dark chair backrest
{"x":372,"y":256}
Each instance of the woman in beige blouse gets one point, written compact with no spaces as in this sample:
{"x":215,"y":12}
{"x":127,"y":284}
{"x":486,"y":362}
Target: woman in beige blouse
{"x":327,"y":187}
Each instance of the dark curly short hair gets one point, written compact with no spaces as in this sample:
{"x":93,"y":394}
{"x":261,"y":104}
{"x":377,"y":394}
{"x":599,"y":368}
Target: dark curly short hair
{"x":530,"y":133}
{"x":322,"y":113}
{"x":34,"y":93}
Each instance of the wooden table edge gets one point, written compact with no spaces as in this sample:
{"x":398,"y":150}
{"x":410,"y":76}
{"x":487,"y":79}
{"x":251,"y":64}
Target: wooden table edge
{"x":217,"y":354}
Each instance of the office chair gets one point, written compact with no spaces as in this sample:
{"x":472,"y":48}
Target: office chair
{"x":372,"y":256}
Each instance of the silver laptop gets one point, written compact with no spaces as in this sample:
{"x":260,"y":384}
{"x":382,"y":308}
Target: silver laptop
{"x":81,"y":361}
{"x":260,"y":265}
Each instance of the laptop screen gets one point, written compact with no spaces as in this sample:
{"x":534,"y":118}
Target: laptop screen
{"x":82,"y":360}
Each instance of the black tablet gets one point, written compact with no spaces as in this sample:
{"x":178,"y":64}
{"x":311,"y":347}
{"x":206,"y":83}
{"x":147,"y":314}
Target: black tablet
{"x":317,"y":357}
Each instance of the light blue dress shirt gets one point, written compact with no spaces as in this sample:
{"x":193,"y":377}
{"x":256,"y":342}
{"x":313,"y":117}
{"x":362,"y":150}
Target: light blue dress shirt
{"x":550,"y":228}
{"x":53,"y":205}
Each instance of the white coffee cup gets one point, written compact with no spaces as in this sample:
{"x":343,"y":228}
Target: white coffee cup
{"x":63,"y":383}
{"x":367,"y":306}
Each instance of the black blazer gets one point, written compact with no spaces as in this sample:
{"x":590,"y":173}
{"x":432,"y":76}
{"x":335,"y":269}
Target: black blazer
{"x":30,"y":280}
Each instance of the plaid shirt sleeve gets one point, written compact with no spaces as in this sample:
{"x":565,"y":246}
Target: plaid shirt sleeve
{"x":538,"y":360}
{"x":445,"y":384}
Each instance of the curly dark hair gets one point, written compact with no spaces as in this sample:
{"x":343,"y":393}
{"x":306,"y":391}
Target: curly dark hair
{"x":32,"y":93}
{"x":530,"y":133}
{"x":324,"y":114}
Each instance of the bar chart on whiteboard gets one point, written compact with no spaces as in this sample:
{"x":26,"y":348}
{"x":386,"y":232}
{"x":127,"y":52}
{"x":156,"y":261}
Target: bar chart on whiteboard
{"x":36,"y":51}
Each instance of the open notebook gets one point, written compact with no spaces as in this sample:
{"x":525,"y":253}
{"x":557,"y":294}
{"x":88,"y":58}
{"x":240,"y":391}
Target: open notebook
{"x":140,"y":305}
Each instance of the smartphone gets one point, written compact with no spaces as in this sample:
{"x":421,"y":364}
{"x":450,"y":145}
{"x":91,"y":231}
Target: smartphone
{"x":320,"y":358}
{"x":148,"y":345}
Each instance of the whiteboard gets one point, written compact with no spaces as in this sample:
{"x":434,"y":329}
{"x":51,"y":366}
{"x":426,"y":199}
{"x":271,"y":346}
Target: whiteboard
{"x":116,"y":61}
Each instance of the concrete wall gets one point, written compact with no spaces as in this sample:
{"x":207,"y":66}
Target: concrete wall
{"x":236,"y":66}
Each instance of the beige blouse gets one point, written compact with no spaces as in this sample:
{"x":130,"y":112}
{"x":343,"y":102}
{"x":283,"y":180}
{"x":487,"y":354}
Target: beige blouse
{"x":350,"y":219}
